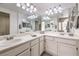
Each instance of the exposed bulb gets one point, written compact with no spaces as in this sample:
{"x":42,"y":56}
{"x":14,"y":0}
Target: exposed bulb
{"x":18,"y":5}
{"x":60,"y":9}
{"x":28,"y":4}
{"x":55,"y":10}
{"x":27,"y":9}
{"x":31,"y":7}
{"x":50,"y":10}
{"x":46,"y":12}
{"x":23,"y":7}
{"x":35,"y":9}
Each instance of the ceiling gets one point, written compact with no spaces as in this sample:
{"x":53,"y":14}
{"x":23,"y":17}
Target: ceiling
{"x":41,"y":7}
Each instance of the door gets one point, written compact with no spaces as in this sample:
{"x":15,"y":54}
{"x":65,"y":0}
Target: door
{"x":66,"y":50}
{"x":35,"y":50}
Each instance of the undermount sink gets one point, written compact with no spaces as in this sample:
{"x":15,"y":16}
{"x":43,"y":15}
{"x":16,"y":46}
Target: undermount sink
{"x":4,"y":43}
{"x":33,"y":35}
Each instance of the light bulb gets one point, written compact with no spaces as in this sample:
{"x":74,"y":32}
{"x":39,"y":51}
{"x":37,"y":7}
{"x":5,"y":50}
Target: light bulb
{"x":23,"y":7}
{"x":50,"y":10}
{"x":31,"y":7}
{"x":28,"y":4}
{"x":55,"y":10}
{"x":46,"y":12}
{"x":35,"y":9}
{"x":27,"y":9}
{"x":60,"y":9}
{"x":18,"y":5}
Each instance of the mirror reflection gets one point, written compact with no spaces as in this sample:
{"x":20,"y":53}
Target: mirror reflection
{"x":59,"y":18}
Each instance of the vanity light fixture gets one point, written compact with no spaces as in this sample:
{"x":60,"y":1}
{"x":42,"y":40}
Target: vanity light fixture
{"x":27,"y":6}
{"x":55,"y":10}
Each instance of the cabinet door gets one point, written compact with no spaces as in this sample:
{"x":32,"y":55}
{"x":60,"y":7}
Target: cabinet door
{"x":51,"y":46}
{"x":66,"y":50}
{"x":41,"y":47}
{"x":35,"y":50}
{"x":25,"y":53}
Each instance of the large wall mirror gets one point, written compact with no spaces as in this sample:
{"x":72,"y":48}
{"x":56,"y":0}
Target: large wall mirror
{"x":4,"y":23}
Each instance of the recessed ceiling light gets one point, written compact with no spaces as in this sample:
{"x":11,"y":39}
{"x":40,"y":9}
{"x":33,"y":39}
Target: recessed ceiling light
{"x":18,"y":5}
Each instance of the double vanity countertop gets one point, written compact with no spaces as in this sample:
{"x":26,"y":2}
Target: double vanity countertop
{"x":8,"y":44}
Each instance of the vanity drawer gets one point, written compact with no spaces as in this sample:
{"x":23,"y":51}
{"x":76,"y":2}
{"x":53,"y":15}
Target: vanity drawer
{"x":35,"y":41}
{"x":16,"y":50}
{"x":67,"y":41}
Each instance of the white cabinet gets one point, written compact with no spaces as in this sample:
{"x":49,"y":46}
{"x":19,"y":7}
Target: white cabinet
{"x":25,"y":53}
{"x":35,"y":50}
{"x":15,"y":50}
{"x":41,"y":45}
{"x":66,"y":47}
{"x":66,"y":50}
{"x":51,"y":45}
{"x":35,"y":47}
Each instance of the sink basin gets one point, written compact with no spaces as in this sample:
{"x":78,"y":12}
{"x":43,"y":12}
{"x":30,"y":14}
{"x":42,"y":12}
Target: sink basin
{"x":4,"y":43}
{"x":33,"y":35}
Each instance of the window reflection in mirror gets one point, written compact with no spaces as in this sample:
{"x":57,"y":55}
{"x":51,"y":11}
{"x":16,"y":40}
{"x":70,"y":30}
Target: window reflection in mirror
{"x":63,"y":25}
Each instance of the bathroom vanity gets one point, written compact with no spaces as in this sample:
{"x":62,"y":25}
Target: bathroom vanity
{"x":52,"y":43}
